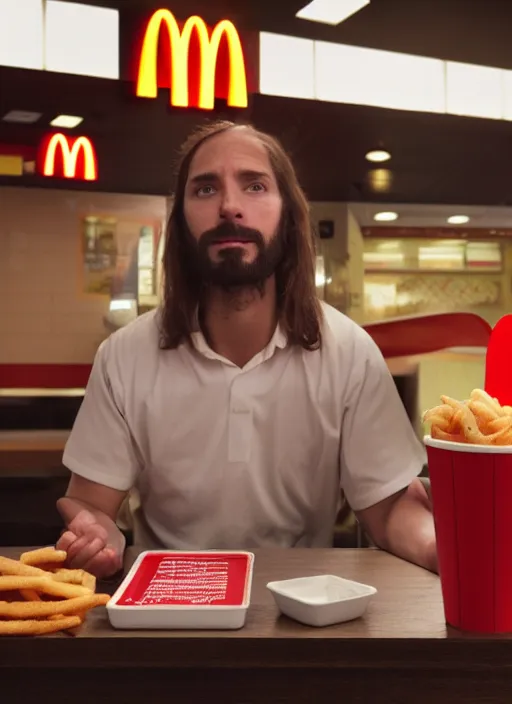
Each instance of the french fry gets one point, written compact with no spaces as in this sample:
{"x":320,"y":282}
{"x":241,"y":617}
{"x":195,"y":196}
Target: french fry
{"x":89,"y":581}
{"x":480,"y":420}
{"x":80,"y":577}
{"x":34,"y":627}
{"x":483,"y":412}
{"x":44,"y":585}
{"x":55,"y":598}
{"x":42,"y":609}
{"x":486,"y":399}
{"x":43,"y":556}
{"x":439,"y":421}
{"x":13,"y":567}
{"x":72,"y":630}
{"x":439,"y":434}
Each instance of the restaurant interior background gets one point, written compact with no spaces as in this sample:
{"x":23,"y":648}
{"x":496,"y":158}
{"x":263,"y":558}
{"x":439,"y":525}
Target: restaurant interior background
{"x":425,"y":229}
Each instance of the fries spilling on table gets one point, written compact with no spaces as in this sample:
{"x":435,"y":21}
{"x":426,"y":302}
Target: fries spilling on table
{"x":38,"y":595}
{"x":480,"y":420}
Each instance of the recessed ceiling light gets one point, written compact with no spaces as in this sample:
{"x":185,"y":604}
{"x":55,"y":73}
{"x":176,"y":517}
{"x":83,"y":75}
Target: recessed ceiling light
{"x":378,"y":155}
{"x":380,"y":180}
{"x":69,"y":121}
{"x":458,"y":219}
{"x":385,"y":216}
{"x":331,"y":11}
{"x":25,"y":117}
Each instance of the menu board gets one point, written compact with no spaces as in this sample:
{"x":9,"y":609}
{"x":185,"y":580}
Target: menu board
{"x":118,"y":256}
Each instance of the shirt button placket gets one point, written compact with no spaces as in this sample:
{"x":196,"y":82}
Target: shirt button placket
{"x":240,"y":424}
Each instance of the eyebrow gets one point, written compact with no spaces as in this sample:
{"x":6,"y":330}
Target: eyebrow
{"x":204,"y":178}
{"x":243,"y":174}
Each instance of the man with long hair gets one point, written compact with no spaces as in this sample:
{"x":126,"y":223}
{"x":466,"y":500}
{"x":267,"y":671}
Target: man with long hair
{"x":243,"y":409}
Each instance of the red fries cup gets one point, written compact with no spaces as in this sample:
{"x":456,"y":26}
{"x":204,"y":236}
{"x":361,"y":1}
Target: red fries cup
{"x":472,"y":503}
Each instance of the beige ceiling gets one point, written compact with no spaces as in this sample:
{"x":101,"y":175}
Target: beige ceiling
{"x":417,"y":215}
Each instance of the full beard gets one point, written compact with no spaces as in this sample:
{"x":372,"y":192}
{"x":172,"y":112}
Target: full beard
{"x":231,"y":272}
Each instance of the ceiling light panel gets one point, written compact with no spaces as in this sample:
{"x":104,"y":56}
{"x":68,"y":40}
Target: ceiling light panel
{"x":67,"y":121}
{"x":21,"y":33}
{"x":287,"y":66}
{"x":360,"y":76}
{"x":474,"y":91}
{"x":82,"y":39}
{"x":331,"y":11}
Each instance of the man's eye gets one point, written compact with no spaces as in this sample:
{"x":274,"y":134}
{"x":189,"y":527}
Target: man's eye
{"x":205,"y":191}
{"x":257,"y":187}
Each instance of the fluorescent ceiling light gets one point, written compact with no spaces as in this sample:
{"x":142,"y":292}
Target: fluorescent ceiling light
{"x":292,"y":67}
{"x":474,"y":91}
{"x":331,"y":11}
{"x":287,"y":66}
{"x":24,"y":117}
{"x":68,"y":121}
{"x":21,"y":33}
{"x":385,"y":216}
{"x":507,"y":95}
{"x":82,"y":39}
{"x":359,"y":76}
{"x":458,"y":219}
{"x":378,"y":155}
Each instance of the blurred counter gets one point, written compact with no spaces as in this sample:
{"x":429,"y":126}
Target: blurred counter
{"x":33,"y":440}
{"x":39,"y":409}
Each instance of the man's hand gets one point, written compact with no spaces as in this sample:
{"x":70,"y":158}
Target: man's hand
{"x":92,"y":540}
{"x":93,"y":543}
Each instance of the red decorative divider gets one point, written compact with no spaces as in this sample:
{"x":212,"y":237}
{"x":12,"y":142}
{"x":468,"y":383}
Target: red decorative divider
{"x":44,"y":376}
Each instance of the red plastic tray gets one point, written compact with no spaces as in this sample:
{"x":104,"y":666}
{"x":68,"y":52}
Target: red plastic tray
{"x":188,"y":579}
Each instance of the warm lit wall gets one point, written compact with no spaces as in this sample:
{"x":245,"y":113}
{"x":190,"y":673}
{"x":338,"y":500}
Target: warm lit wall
{"x":454,"y":375}
{"x":44,"y":315}
{"x":343,"y":258}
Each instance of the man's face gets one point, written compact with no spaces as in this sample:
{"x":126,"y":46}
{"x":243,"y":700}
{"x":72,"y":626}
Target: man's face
{"x":233,"y":210}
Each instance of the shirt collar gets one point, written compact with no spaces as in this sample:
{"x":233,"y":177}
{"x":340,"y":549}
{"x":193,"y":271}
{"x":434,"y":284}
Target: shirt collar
{"x":278,"y":341}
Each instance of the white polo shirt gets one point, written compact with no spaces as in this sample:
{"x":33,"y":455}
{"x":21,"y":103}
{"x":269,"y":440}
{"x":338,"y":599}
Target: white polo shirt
{"x":231,"y":458}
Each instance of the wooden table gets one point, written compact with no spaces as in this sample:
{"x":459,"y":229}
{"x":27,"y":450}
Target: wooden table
{"x":401,"y":652}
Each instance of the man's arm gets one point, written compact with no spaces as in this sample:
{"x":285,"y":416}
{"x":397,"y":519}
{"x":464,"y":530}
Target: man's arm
{"x":381,"y":458}
{"x":104,"y":462}
{"x":98,"y":498}
{"x":403,"y":525}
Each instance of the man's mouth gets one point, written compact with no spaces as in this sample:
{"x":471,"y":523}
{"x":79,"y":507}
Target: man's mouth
{"x":230,"y":242}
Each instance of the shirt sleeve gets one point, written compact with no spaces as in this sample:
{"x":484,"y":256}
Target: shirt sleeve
{"x":100,"y":447}
{"x":380,"y":452}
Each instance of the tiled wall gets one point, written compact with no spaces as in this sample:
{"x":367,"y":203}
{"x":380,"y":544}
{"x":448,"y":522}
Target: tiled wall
{"x":44,"y":315}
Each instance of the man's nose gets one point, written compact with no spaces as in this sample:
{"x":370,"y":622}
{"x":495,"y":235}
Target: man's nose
{"x":230,"y":208}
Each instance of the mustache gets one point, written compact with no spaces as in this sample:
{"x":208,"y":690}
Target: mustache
{"x":229,"y":231}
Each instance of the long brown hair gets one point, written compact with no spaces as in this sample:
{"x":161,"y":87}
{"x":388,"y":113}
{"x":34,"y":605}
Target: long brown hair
{"x":298,"y":305}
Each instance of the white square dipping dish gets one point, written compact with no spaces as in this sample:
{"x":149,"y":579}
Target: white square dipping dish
{"x":321,"y":600}
{"x":168,"y":589}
